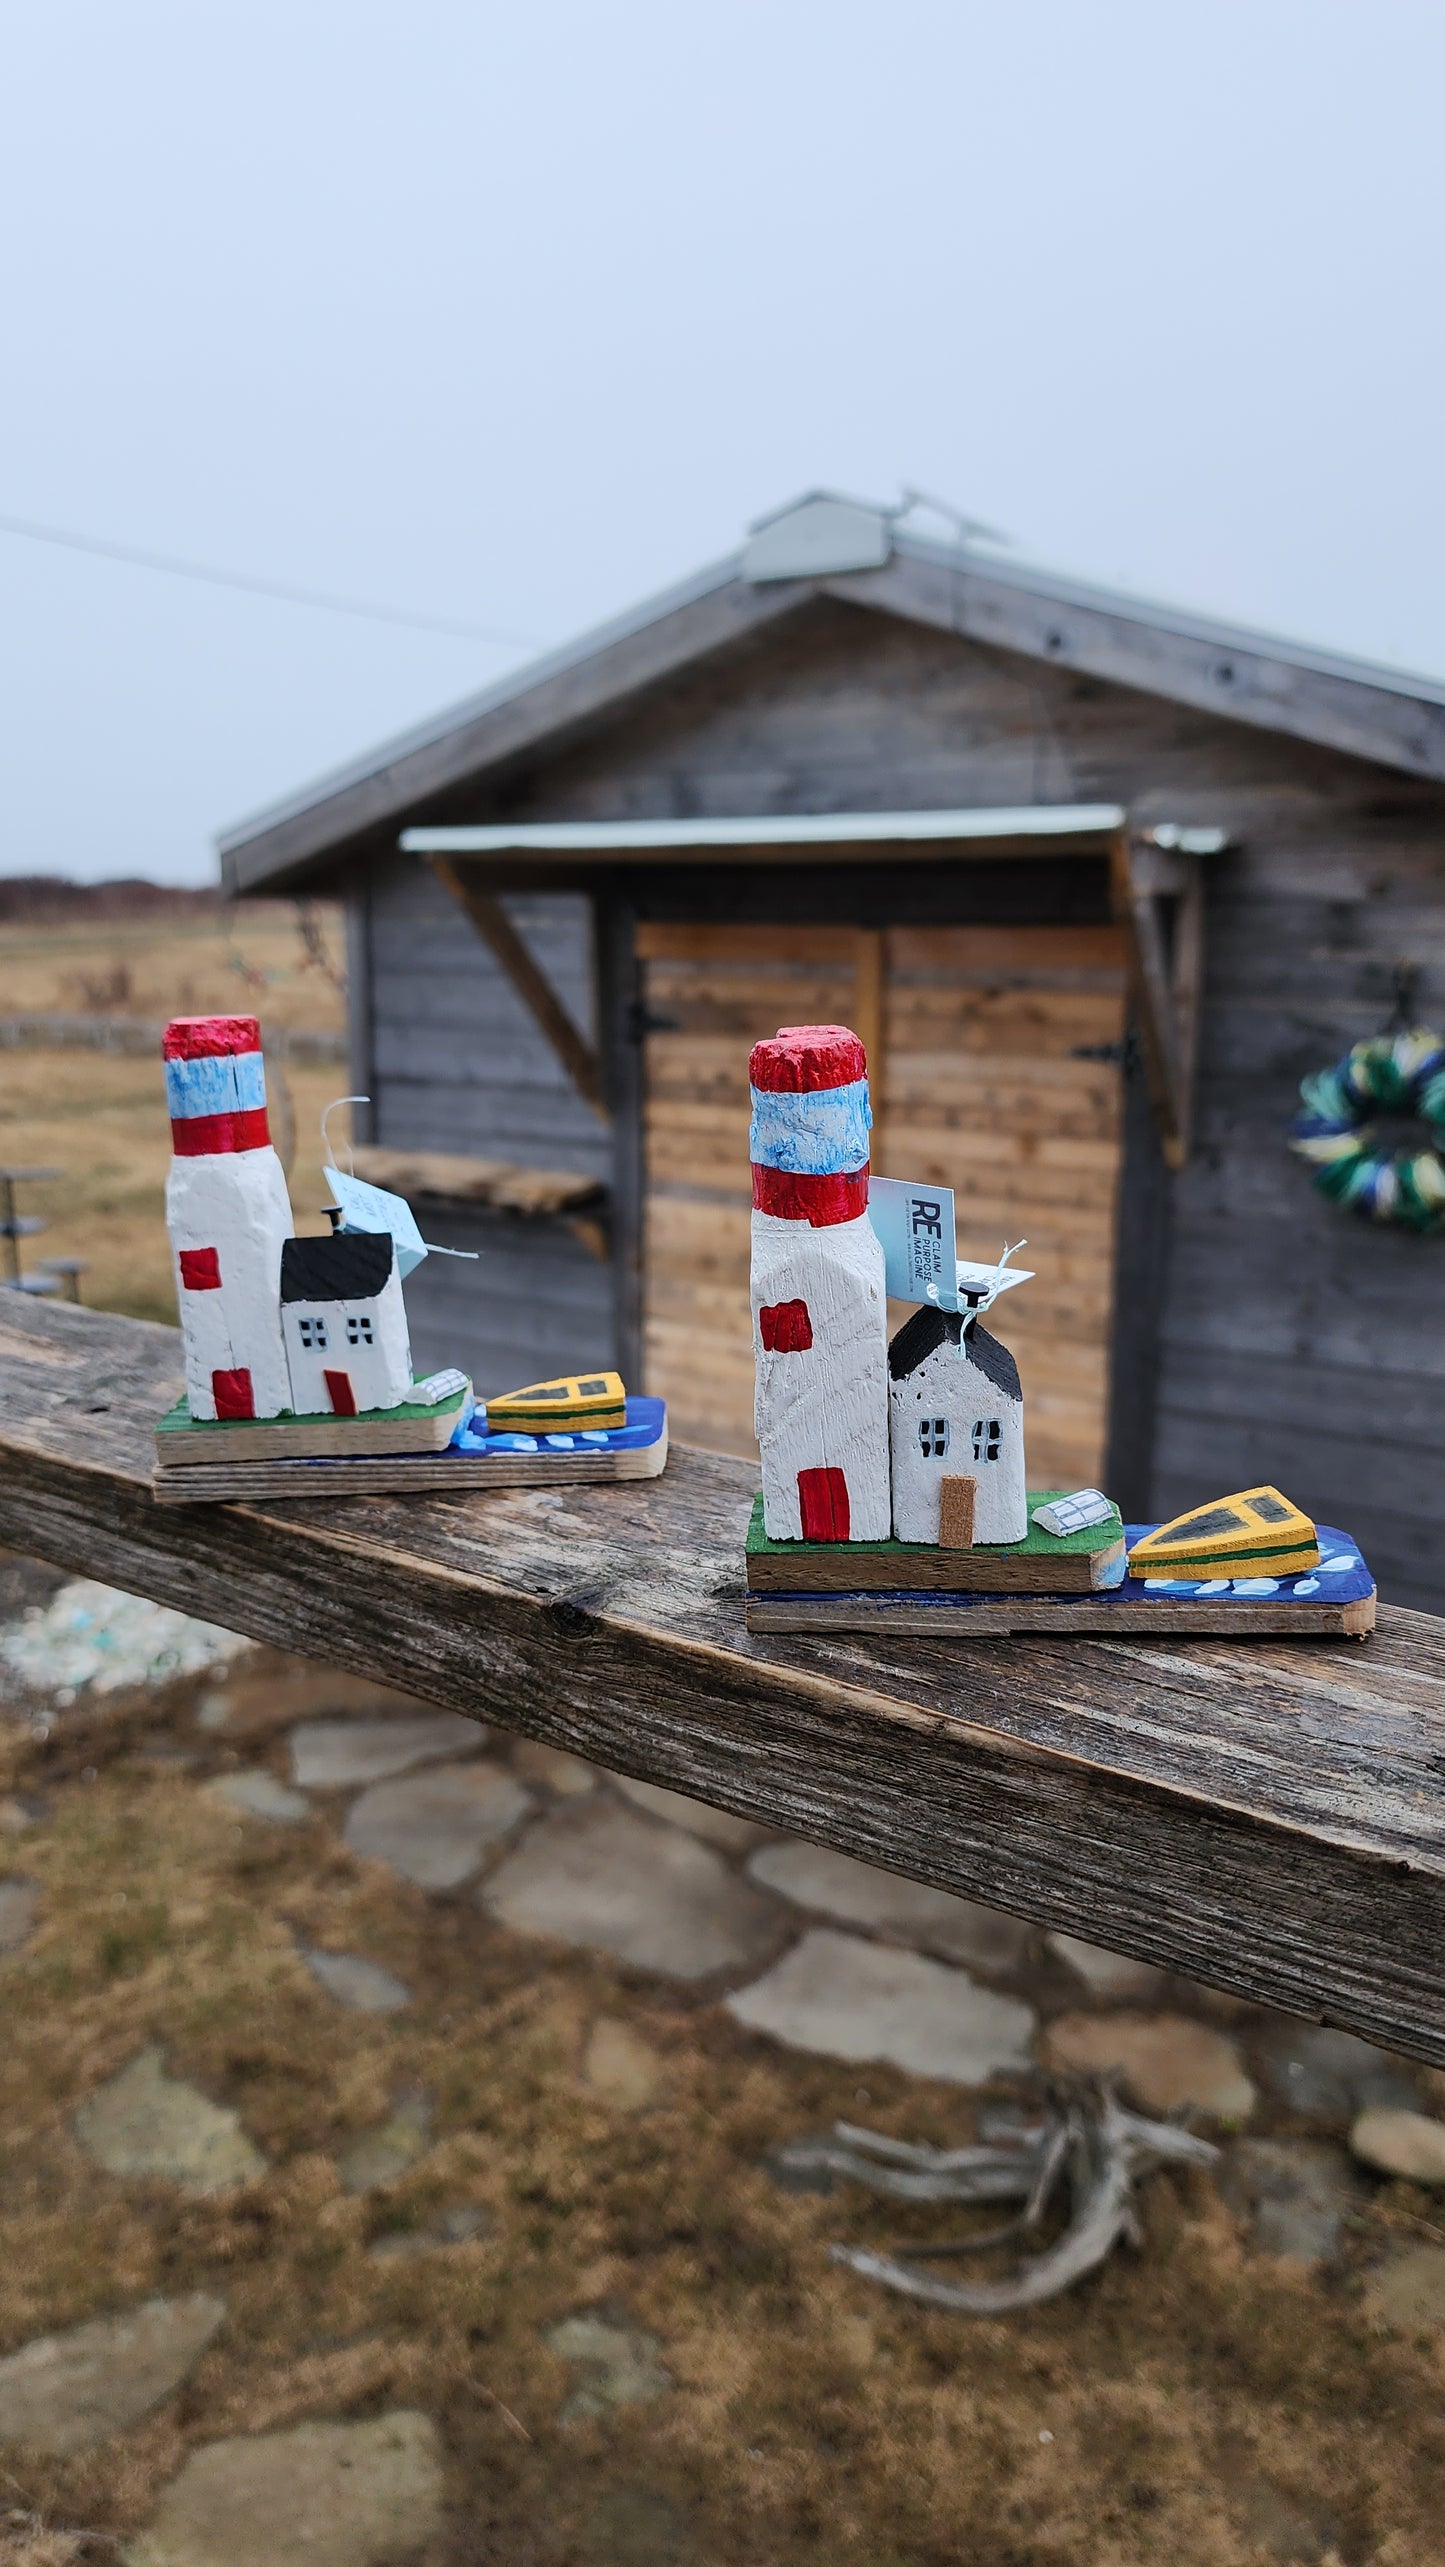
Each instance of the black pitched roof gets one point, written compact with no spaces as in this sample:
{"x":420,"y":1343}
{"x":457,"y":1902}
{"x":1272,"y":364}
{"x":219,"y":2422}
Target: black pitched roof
{"x":350,"y":1265}
{"x":919,"y":1337}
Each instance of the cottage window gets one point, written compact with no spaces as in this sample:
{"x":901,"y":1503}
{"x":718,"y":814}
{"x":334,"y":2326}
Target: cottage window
{"x":986,"y":1434}
{"x":933,"y":1438}
{"x":358,"y":1328}
{"x":313,"y":1334}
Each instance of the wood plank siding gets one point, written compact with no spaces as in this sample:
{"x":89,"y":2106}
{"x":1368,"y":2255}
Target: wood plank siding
{"x":1289,"y":1340}
{"x":457,"y":1063}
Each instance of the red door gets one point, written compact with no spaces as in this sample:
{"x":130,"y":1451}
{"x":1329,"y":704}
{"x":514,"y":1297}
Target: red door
{"x":823,"y":1502}
{"x":343,"y":1397}
{"x":232,"y":1392}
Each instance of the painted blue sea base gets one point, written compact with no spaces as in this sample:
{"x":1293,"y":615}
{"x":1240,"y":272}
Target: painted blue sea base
{"x":1341,"y":1578}
{"x":646,"y":1419}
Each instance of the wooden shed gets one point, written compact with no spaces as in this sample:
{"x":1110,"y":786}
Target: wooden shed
{"x":1097,"y":882}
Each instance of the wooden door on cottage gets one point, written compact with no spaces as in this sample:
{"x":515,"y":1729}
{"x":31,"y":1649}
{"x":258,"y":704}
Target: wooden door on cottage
{"x":978,"y":1041}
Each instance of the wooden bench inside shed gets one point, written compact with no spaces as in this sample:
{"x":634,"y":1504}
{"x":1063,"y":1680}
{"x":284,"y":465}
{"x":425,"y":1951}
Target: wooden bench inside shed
{"x":1266,"y":1817}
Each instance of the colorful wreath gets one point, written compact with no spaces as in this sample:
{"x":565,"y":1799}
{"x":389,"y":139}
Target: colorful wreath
{"x":1398,"y":1073}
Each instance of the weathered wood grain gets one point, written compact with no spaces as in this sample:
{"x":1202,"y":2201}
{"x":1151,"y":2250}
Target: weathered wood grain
{"x":1269,"y":1818}
{"x":448,"y":1176}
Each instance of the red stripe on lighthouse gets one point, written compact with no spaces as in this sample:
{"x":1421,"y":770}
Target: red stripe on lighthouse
{"x":199,"y":1136}
{"x":818,"y":1200}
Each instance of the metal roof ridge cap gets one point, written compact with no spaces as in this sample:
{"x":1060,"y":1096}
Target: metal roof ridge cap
{"x":1039,"y":581}
{"x":514,"y":684}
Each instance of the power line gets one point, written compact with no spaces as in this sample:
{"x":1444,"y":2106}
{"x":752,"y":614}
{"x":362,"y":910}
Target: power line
{"x":214,"y":578}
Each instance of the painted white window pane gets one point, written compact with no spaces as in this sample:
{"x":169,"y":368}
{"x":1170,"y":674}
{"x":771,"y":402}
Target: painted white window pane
{"x":313,"y":1333}
{"x":986,"y":1434}
{"x":933,"y":1438}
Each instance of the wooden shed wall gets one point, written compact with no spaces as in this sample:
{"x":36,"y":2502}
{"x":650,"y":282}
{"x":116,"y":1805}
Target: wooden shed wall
{"x":1292,"y":1342}
{"x":453,"y":1061}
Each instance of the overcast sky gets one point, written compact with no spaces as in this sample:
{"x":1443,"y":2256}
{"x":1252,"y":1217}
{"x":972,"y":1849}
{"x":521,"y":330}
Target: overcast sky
{"x":513,"y":315}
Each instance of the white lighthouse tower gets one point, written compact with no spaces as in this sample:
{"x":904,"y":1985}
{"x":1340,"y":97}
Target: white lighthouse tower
{"x":228,"y":1213}
{"x":820,"y":1331}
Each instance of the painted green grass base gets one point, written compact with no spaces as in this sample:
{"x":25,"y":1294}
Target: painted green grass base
{"x":179,"y":1421}
{"x":1093,"y":1537}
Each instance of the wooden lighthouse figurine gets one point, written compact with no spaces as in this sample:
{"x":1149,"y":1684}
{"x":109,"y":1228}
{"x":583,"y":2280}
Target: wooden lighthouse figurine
{"x":228,"y":1214}
{"x":820,"y":1336}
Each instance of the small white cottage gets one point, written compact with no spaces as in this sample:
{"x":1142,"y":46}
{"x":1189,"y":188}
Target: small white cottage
{"x":344,"y":1322}
{"x":956,"y":1433}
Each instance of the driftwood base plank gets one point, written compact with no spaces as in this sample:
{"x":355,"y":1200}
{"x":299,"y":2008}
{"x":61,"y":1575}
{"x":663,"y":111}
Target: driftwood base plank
{"x":931,"y":1617}
{"x":1042,"y":1564}
{"x":1269,"y":1819}
{"x":190,"y":1445}
{"x":445,"y":1474}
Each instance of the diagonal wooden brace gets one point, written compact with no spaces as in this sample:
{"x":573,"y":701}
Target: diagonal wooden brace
{"x":530,"y":982}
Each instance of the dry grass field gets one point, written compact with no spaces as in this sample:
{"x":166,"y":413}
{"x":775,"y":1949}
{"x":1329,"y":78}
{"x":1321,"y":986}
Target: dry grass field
{"x":100,"y":1116}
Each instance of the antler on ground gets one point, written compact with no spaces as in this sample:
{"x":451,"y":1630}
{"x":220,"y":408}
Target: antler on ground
{"x":1088,"y":2139}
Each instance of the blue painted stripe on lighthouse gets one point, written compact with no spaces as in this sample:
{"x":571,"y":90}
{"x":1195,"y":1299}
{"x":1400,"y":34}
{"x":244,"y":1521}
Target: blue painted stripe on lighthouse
{"x":821,"y":1134}
{"x":217,"y":1083}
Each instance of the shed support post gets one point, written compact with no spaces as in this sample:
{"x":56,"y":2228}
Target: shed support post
{"x":620,"y":996}
{"x":868,"y":967}
{"x":1165,"y":973}
{"x":530,"y":982}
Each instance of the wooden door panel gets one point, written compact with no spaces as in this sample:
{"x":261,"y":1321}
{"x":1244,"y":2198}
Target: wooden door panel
{"x":982,"y":1089}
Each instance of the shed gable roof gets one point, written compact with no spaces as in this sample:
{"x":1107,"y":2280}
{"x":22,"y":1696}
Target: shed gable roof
{"x":1384,"y":715}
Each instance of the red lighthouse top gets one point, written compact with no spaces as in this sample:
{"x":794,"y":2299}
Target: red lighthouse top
{"x":201,"y":1038}
{"x":800,"y":1059}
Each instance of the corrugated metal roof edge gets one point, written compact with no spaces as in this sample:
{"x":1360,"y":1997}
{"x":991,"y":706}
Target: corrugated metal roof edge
{"x":1032,"y":578}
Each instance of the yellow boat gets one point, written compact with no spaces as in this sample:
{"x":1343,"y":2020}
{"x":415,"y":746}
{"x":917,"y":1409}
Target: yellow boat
{"x":572,"y":1402}
{"x":1258,"y":1533}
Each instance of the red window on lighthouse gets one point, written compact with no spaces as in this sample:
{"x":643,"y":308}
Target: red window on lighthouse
{"x":785,"y":1328}
{"x":200,"y":1269}
{"x":823,"y":1504}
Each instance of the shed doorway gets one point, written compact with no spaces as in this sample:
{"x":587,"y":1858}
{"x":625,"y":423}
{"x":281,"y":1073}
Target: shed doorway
{"x":979,"y":1042}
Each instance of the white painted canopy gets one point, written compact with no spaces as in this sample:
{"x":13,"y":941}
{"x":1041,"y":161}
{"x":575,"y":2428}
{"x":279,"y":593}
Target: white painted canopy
{"x":1070,"y":827}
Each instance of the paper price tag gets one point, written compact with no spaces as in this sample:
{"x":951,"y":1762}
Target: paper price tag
{"x":920,"y":1251}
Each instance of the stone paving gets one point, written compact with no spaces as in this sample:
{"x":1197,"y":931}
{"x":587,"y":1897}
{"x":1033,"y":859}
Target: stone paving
{"x":804,"y":1947}
{"x":64,"y":2393}
{"x":847,"y":1999}
{"x":659,"y":1898}
{"x":335,"y":2495}
{"x":549,"y":1845}
{"x":145,"y":2122}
